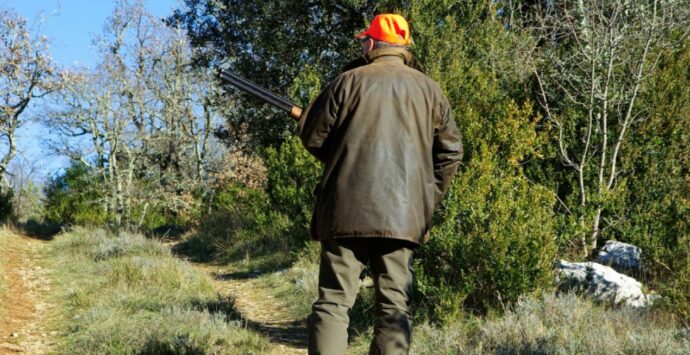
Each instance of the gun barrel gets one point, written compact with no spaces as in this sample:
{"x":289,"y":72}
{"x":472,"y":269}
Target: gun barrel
{"x":260,"y":92}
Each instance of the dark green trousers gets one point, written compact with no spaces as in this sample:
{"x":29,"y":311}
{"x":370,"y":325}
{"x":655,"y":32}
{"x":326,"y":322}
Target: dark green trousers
{"x":342,"y":263}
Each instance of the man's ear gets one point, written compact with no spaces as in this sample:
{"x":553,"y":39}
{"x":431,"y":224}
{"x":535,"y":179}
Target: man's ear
{"x":368,"y":45}
{"x":371,"y":44}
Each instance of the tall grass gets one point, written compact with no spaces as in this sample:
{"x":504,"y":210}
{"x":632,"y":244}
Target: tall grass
{"x":125,"y":294}
{"x":552,"y":324}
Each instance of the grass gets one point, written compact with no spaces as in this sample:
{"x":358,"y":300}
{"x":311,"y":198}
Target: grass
{"x":298,"y":283}
{"x":125,"y":294}
{"x":552,"y":324}
{"x":549,"y":324}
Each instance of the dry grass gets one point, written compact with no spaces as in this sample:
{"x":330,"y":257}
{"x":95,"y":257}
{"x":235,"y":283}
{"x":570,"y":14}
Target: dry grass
{"x":127,"y":294}
{"x":556,"y":325}
{"x":565,"y":324}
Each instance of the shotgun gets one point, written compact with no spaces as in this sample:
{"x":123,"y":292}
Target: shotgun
{"x":262,"y":93}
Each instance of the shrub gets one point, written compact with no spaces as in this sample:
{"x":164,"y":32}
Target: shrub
{"x":675,"y":289}
{"x":493,"y":235}
{"x":241,"y":223}
{"x":292,"y":176}
{"x":27,"y":204}
{"x":495,"y":242}
{"x":6,"y":208}
{"x":265,"y":228}
{"x":551,"y":324}
{"x":73,"y":197}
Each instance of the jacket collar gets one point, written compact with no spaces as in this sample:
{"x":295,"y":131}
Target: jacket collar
{"x":401,"y":55}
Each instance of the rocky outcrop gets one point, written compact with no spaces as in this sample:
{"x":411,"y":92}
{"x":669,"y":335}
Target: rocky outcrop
{"x":620,"y":256}
{"x":602,"y":283}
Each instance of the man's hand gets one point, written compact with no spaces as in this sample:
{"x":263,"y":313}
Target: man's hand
{"x":296,"y":112}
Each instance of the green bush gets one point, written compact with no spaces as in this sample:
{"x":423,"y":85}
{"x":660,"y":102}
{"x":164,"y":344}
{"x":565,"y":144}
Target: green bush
{"x":242,"y":224}
{"x":292,"y":176}
{"x":6,"y":208}
{"x":264,"y":228}
{"x":73,"y":197}
{"x":674,"y":287}
{"x":493,"y":236}
{"x":495,"y":242}
{"x":656,"y":212}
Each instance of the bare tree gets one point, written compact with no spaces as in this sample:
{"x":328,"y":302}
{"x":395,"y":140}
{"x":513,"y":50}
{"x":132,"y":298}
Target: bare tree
{"x":593,"y":60}
{"x":26,"y":73}
{"x":23,"y":175}
{"x":143,"y":117}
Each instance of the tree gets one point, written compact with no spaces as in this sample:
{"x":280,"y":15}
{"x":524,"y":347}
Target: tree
{"x":143,"y":120}
{"x":593,"y":60}
{"x":23,"y":177}
{"x":26,"y":74}
{"x":274,"y":43}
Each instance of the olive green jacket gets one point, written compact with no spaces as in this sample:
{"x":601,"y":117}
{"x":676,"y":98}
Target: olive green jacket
{"x":390,"y":146}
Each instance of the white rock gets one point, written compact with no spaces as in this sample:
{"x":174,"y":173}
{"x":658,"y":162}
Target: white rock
{"x":602,"y":283}
{"x":620,"y":256}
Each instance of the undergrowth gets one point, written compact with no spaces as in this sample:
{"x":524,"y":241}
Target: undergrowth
{"x":547,"y":324}
{"x":125,"y":294}
{"x":564,"y":324}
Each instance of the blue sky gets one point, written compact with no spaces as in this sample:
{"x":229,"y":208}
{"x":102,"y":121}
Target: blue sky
{"x":70,"y":26}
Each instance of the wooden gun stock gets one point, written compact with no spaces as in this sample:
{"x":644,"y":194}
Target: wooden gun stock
{"x":262,"y":93}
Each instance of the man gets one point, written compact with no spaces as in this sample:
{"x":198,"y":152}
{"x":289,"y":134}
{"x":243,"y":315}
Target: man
{"x":390,"y":146}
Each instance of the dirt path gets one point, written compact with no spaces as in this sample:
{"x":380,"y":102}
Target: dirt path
{"x":261,"y":312}
{"x":24,"y":307}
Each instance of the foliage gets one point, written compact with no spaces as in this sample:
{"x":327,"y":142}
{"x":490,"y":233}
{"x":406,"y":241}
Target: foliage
{"x":241,"y":223}
{"x":268,"y":43}
{"x":127,"y":294}
{"x":6,"y":206}
{"x":73,"y":197}
{"x":491,"y":245}
{"x":591,"y":62}
{"x":659,"y":184}
{"x":292,"y":175}
{"x":492,"y":239}
{"x":143,"y":119}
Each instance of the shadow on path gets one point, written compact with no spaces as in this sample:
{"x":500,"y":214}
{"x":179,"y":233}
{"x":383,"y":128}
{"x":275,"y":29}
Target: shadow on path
{"x":241,"y":301}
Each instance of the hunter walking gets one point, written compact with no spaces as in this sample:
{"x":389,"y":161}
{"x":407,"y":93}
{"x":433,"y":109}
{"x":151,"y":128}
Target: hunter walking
{"x":390,"y":146}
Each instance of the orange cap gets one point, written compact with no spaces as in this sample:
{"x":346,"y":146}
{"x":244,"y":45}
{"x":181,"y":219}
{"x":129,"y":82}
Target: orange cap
{"x":389,"y":28}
